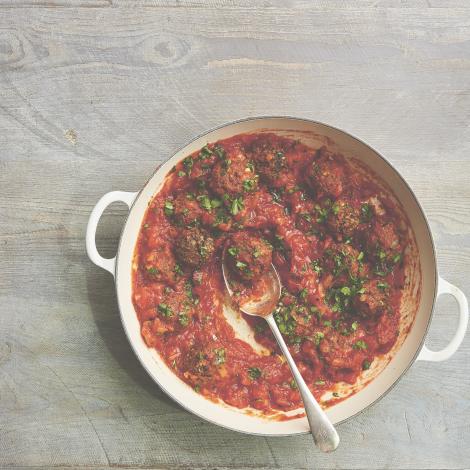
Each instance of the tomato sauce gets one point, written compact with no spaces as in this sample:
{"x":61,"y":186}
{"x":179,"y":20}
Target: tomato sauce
{"x":337,"y":241}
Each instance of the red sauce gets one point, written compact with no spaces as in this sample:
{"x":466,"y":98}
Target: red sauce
{"x":337,"y":241}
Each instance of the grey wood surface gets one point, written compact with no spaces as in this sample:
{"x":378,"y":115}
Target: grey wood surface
{"x":95,"y":93}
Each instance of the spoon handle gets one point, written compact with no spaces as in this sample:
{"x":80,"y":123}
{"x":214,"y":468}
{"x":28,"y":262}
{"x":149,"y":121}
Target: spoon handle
{"x":324,"y":433}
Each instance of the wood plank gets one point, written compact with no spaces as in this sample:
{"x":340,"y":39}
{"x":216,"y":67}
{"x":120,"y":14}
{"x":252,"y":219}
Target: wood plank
{"x":94,"y":97}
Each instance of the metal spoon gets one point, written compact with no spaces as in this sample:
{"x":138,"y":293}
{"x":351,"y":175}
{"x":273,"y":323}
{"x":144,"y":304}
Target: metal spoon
{"x":324,"y":433}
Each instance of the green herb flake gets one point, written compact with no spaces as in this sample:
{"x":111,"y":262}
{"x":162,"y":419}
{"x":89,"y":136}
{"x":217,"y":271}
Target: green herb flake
{"x":181,"y":173}
{"x":360,"y":256}
{"x":345,"y":290}
{"x":318,"y":336}
{"x":320,"y":382}
{"x":366,"y":212}
{"x":178,"y":270}
{"x":360,"y":345}
{"x":188,"y":163}
{"x":303,"y":294}
{"x":241,"y":265}
{"x":233,"y":251}
{"x":205,"y":152}
{"x":204,"y":202}
{"x":293,"y":385}
{"x":276,"y":194}
{"x":219,"y":356}
{"x":366,"y":365}
{"x":354,"y":326}
{"x":254,"y":373}
{"x":215,"y":203}
{"x":168,"y":208}
{"x":322,"y":214}
{"x":237,"y":205}
{"x":165,"y":310}
{"x":183,"y":319}
{"x":220,"y":152}
{"x":249,"y":185}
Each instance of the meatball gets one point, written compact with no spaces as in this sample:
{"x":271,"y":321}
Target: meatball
{"x":194,"y":247}
{"x":344,"y":219}
{"x":269,"y":158}
{"x":384,"y":246}
{"x":233,"y":175}
{"x":326,"y":173}
{"x":387,"y":236}
{"x":187,"y":210}
{"x":373,"y":300}
{"x":342,"y":258}
{"x":249,"y":255}
{"x":343,"y":351}
{"x":160,"y":265}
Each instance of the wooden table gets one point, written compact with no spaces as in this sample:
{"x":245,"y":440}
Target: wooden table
{"x":95,"y":93}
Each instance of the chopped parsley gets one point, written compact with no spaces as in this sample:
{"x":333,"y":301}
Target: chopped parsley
{"x":254,"y":373}
{"x":322,"y":214}
{"x":276,"y":194}
{"x":233,"y":251}
{"x":205,"y":152}
{"x":183,"y":319}
{"x":361,"y":344}
{"x":220,"y":152}
{"x":204,"y":202}
{"x":366,"y":212}
{"x":237,"y":205}
{"x":241,"y":265}
{"x":215,"y":203}
{"x":219,"y":356}
{"x":168,"y":208}
{"x":366,"y":365}
{"x":188,"y":164}
{"x":318,"y":336}
{"x":315,"y":264}
{"x":178,"y":270}
{"x":165,"y":310}
{"x":249,"y":185}
{"x":284,"y":319}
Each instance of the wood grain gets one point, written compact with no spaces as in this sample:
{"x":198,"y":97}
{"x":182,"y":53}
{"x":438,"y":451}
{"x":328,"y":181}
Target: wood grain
{"x":94,"y":94}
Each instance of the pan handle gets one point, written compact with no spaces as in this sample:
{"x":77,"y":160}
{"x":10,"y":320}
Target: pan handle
{"x":114,"y":196}
{"x":426,"y":354}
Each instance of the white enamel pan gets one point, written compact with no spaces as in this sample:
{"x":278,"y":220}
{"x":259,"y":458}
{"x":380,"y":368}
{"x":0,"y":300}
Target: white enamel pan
{"x":422,"y":287}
